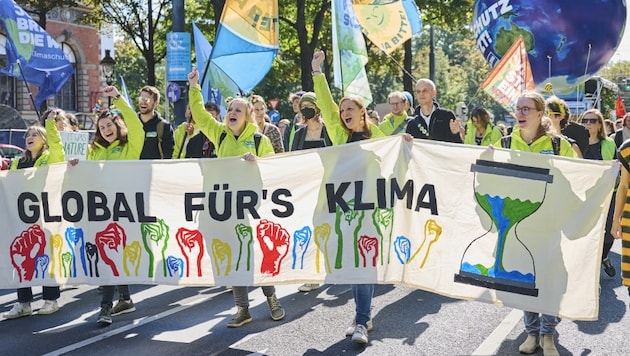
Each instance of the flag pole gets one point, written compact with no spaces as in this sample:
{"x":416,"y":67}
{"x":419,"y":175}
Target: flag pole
{"x":28,"y":89}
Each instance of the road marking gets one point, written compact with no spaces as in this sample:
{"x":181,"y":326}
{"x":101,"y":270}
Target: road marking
{"x":184,"y":304}
{"x":492,"y":343}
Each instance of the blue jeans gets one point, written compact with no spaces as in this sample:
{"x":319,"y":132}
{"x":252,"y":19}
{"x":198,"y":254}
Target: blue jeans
{"x":363,"y":294}
{"x":25,"y":295}
{"x":540,"y":324}
{"x":108,"y":294}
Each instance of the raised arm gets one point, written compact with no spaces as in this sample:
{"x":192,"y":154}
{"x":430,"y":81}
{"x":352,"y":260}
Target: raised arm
{"x":330,"y":110}
{"x":203,"y":119}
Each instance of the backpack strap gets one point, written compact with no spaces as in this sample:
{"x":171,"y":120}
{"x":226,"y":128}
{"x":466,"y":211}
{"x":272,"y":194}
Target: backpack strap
{"x":506,"y":141}
{"x":402,"y":126}
{"x":160,"y":133}
{"x":257,"y":139}
{"x":555,"y":142}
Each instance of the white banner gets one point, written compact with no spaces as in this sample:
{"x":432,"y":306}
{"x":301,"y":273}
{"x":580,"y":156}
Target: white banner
{"x":506,"y":227}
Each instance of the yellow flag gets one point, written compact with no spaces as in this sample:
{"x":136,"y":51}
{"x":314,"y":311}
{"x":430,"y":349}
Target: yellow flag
{"x":385,"y":23}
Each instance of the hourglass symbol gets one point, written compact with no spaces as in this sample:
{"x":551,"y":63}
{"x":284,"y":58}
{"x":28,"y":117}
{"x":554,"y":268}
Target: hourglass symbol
{"x":499,"y":259}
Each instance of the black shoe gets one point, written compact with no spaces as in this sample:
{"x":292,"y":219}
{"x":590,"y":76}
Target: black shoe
{"x":608,"y":267}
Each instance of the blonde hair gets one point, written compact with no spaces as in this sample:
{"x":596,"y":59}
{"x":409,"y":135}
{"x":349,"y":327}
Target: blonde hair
{"x":601,"y":133}
{"x":358,"y":101}
{"x":28,"y":155}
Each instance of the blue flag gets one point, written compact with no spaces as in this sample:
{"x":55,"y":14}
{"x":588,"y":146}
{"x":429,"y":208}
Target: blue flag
{"x":125,"y":91}
{"x":216,"y":83}
{"x":43,"y":62}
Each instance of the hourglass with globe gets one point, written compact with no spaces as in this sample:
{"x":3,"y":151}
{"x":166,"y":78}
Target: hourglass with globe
{"x":499,"y":259}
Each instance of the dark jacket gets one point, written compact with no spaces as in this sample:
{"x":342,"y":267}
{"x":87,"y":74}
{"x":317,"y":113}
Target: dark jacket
{"x":199,"y":146}
{"x":579,"y":134}
{"x":438,"y":129}
{"x":300,"y":138}
{"x":150,"y":149}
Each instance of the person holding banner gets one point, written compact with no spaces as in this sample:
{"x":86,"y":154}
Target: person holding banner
{"x":347,"y":123}
{"x":43,"y":146}
{"x":431,"y":121}
{"x":236,"y":136}
{"x":601,"y":147}
{"x":119,"y":136}
{"x":533,"y":136}
{"x":481,"y":132}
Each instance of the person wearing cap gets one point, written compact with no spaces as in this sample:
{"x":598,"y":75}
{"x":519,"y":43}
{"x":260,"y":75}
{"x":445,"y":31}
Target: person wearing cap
{"x":409,"y":107}
{"x":313,"y":133}
{"x":289,"y":133}
{"x":395,"y":123}
{"x":558,"y":112}
{"x":430,"y":120}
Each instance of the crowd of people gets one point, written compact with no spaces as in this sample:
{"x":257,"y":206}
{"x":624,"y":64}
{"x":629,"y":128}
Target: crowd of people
{"x":544,"y":126}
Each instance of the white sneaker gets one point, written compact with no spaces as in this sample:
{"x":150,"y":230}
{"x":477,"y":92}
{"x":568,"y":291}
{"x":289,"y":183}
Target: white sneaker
{"x":360,"y":335}
{"x":19,"y":310}
{"x":351,"y":328}
{"x":50,"y":306}
{"x":307,"y":287}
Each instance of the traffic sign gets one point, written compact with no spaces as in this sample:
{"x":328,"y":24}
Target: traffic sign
{"x":274,"y":103}
{"x":274,"y":115}
{"x":173,"y":92}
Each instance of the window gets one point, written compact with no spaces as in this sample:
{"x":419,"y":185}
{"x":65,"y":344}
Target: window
{"x":67,"y":96}
{"x":7,"y":83}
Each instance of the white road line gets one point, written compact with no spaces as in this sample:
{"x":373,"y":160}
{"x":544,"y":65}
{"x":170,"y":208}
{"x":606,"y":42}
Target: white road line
{"x":185,"y":304}
{"x":492,"y":343}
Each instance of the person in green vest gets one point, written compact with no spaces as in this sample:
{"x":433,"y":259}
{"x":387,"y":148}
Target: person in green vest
{"x":395,"y":123}
{"x":480,"y":130}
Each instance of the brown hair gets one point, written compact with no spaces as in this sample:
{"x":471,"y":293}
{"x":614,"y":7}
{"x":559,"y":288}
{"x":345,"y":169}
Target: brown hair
{"x":482,"y":115}
{"x":121,"y":130}
{"x":151,"y":90}
{"x":358,"y":101}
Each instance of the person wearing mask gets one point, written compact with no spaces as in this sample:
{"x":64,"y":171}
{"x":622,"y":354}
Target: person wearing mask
{"x":313,"y":134}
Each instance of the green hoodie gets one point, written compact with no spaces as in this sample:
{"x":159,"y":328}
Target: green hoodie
{"x":135,"y":138}
{"x":330,"y":113}
{"x":231,"y":145}
{"x":180,"y":138}
{"x":54,"y":153}
{"x":492,"y":134}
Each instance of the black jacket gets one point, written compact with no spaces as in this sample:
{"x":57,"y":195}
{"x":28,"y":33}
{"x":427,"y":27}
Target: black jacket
{"x":300,"y":138}
{"x":150,"y":149}
{"x":438,"y":129}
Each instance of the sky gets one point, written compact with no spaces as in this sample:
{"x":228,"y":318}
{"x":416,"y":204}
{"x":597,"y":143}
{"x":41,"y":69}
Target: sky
{"x":623,"y":51}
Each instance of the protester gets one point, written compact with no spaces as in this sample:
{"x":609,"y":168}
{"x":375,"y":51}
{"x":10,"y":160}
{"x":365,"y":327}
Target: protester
{"x":621,"y":217}
{"x":311,"y":135}
{"x":610,"y":127}
{"x":480,"y":131}
{"x":431,"y":121}
{"x":295,"y":123}
{"x":373,"y":116}
{"x":532,"y":136}
{"x":183,"y":133}
{"x":233,"y":137}
{"x":199,"y":146}
{"x":263,"y":124}
{"x":601,"y":147}
{"x":576,"y":134}
{"x":119,"y":136}
{"x":347,"y":123}
{"x":623,"y":134}
{"x":158,"y":139}
{"x":395,"y":122}
{"x":282,"y":126}
{"x":43,"y":147}
{"x":73,"y":121}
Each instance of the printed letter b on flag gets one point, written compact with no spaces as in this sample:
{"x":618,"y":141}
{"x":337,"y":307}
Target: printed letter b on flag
{"x":39,"y":60}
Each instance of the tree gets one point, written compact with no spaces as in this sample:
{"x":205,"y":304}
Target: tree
{"x":143,"y":21}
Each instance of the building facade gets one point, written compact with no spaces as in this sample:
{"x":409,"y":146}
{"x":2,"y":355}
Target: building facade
{"x":82,"y":46}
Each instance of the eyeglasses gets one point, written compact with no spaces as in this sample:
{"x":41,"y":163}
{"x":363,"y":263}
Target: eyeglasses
{"x":524,"y":109}
{"x":395,"y":103}
{"x":589,"y":120}
{"x":144,"y":99}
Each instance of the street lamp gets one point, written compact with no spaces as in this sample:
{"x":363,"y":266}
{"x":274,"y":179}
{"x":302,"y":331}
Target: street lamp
{"x":107,"y":66}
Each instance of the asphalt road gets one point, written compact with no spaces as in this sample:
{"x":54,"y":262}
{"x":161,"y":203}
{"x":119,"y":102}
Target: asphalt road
{"x":173,"y":320}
